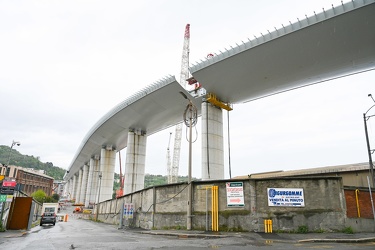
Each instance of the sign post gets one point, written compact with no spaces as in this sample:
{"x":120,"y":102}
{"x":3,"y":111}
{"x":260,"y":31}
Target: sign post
{"x":128,"y":212}
{"x":6,"y":192}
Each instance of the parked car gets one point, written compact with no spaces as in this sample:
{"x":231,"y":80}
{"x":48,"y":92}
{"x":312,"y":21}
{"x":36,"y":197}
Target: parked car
{"x":48,"y":218}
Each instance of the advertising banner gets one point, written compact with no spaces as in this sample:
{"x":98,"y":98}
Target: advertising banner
{"x":235,"y":196}
{"x":285,"y":197}
{"x":9,"y":183}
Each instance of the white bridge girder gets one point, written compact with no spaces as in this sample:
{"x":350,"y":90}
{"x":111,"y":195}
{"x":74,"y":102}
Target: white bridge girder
{"x":331,"y":44}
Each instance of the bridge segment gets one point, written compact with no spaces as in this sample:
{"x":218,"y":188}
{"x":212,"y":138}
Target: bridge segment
{"x":334,"y":43}
{"x":154,"y":108}
{"x":328,"y":45}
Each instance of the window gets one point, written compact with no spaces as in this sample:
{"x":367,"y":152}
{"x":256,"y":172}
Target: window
{"x":8,"y":171}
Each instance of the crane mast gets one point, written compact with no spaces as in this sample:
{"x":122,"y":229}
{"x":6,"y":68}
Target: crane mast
{"x":184,"y":75}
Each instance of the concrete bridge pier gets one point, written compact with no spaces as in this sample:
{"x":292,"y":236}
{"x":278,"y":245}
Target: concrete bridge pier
{"x":107,"y":170}
{"x":66,"y":188}
{"x":82,"y":195}
{"x":75,"y":179}
{"x":92,"y":181}
{"x":135,"y":161}
{"x":70,"y":189}
{"x":79,"y":186}
{"x":212,"y":142}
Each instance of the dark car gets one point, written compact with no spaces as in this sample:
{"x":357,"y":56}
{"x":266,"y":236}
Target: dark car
{"x":48,"y":218}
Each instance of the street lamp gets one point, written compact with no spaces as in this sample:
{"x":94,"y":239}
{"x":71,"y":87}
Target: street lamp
{"x":190,"y":121}
{"x":10,"y":153}
{"x":10,"y":149}
{"x":369,"y":150}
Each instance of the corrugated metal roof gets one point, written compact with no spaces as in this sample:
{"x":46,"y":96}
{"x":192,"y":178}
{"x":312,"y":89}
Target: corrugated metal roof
{"x":310,"y":171}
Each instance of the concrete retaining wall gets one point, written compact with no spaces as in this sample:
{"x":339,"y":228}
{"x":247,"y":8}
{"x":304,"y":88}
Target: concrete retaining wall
{"x":165,"y":207}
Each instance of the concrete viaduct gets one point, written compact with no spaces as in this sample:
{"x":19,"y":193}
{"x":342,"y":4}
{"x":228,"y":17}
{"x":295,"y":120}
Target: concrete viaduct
{"x":334,"y":43}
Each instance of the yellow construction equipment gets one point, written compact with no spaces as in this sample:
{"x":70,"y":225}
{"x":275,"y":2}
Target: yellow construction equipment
{"x":211,"y":98}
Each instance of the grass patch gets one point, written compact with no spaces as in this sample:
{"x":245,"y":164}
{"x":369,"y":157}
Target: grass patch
{"x":319,"y":230}
{"x":225,"y":228}
{"x":227,"y":213}
{"x":177,"y":227}
{"x":302,"y":230}
{"x":348,"y":230}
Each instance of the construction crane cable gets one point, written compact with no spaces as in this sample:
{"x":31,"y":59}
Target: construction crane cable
{"x":208,"y":151}
{"x":193,"y":112}
{"x":196,"y":135}
{"x":160,"y":202}
{"x":230,"y":168}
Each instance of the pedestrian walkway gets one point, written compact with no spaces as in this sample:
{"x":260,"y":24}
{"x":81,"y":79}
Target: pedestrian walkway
{"x":280,"y":237}
{"x":13,"y":233}
{"x":276,"y":237}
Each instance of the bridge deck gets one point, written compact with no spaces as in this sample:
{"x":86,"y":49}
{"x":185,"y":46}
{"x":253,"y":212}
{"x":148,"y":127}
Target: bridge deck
{"x":331,"y":44}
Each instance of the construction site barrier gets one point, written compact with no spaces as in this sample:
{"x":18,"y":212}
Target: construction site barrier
{"x":268,"y":226}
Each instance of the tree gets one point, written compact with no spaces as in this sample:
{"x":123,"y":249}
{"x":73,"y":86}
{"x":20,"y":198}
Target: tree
{"x":42,"y":197}
{"x":39,"y":196}
{"x":56,"y":197}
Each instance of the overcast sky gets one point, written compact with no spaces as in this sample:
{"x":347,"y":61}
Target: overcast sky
{"x":65,"y":64}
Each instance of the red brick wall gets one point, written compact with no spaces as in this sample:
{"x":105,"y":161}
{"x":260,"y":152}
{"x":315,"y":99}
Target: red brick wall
{"x":364,"y":201}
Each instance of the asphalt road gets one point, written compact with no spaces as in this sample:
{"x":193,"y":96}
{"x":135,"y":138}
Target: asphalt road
{"x":84,"y":234}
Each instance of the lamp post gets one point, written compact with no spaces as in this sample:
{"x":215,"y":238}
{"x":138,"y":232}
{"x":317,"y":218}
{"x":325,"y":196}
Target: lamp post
{"x":369,"y":150}
{"x":189,"y":121}
{"x":10,"y":153}
{"x":10,"y":149}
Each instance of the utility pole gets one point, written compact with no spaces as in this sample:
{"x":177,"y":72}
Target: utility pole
{"x":190,"y":120}
{"x":10,"y":154}
{"x":369,"y":150}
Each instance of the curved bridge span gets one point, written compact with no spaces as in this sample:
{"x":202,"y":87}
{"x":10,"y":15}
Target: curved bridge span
{"x":331,"y":44}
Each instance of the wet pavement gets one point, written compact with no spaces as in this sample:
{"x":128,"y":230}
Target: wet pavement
{"x":279,"y":237}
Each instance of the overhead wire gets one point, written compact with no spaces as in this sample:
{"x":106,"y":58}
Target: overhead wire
{"x":192,"y":111}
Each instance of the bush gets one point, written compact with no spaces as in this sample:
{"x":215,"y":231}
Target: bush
{"x":319,"y":230}
{"x":348,"y":230}
{"x":2,"y":229}
{"x":302,"y":230}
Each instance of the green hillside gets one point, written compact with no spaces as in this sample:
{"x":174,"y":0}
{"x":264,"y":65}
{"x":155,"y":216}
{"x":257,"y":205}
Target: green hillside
{"x":57,"y":173}
{"x":28,"y":161}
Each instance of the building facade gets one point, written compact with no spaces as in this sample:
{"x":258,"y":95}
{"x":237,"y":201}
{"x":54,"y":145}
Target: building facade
{"x":28,"y":179}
